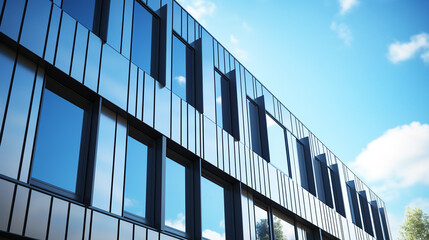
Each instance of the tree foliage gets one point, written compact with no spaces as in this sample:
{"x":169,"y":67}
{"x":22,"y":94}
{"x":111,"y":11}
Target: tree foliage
{"x":416,"y":225}
{"x":263,"y":232}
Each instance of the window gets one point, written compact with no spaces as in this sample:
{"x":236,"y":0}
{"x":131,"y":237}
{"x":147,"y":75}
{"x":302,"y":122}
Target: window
{"x":84,"y":11}
{"x":255,"y":134}
{"x":177,"y":206}
{"x":144,"y":43}
{"x":323,"y":183}
{"x":336,"y":188}
{"x":277,"y":145}
{"x":365,"y":213}
{"x":223,"y":102}
{"x":354,"y":206}
{"x":305,"y":166}
{"x":61,"y":144}
{"x":212,"y":210}
{"x":136,"y":177}
{"x":283,"y":227}
{"x":261,"y":224}
{"x":183,"y":84}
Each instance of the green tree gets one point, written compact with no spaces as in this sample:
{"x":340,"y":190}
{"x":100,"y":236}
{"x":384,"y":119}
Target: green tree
{"x":416,"y":225}
{"x":263,"y":232}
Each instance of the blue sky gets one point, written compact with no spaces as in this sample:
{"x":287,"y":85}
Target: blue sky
{"x":355,"y":72}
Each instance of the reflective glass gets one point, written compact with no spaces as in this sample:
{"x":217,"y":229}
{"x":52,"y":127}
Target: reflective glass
{"x":81,"y":10}
{"x":136,"y":178}
{"x":261,"y":224}
{"x":58,"y":221}
{"x":141,"y":51}
{"x":223,"y":102}
{"x":254,"y":127}
{"x":175,"y":195}
{"x":212,"y":210}
{"x":218,"y":92}
{"x":283,"y":230}
{"x":182,"y":61}
{"x":277,"y":145}
{"x":302,"y":165}
{"x":56,"y":157}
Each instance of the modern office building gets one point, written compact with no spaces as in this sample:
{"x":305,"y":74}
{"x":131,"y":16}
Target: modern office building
{"x":125,"y":119}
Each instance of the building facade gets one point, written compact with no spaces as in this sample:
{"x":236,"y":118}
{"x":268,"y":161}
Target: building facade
{"x":128,"y":120}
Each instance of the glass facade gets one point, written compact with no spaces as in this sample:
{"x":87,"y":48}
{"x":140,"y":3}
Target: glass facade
{"x":144,"y":39}
{"x":59,"y":143}
{"x":175,"y":195}
{"x":128,"y":120}
{"x":277,"y":145}
{"x":212,"y":210}
{"x":183,"y":84}
{"x":136,"y":178}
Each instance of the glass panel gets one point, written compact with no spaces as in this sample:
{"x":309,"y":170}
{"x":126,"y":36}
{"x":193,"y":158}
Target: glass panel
{"x":277,"y":145}
{"x":119,"y":167}
{"x":175,"y":195}
{"x":115,"y":24}
{"x":36,"y":20}
{"x":302,"y":165}
{"x":177,"y":17}
{"x":59,"y":135}
{"x":136,"y":178}
{"x":38,"y":213}
{"x":219,"y":113}
{"x":104,"y":160}
{"x":261,"y":223}
{"x":141,"y":50}
{"x":208,"y":75}
{"x":283,"y":230}
{"x":148,"y":104}
{"x":255,"y":127}
{"x":127,"y":28}
{"x":81,"y":10}
{"x":182,"y":84}
{"x":212,"y":210}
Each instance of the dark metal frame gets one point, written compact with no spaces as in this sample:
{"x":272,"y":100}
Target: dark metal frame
{"x":83,"y":160}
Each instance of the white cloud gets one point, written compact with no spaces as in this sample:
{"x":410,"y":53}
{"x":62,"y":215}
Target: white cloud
{"x":178,"y":223}
{"x":346,"y":5}
{"x":246,"y":26}
{"x":210,"y":234}
{"x":343,"y":32}
{"x":399,"y":51}
{"x":397,"y":159}
{"x":219,"y":100}
{"x":233,"y":39}
{"x":199,"y":8}
{"x":425,"y":57}
{"x":181,"y":80}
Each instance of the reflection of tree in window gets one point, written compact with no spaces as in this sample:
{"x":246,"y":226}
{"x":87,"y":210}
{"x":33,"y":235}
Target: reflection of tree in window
{"x":262,"y":225}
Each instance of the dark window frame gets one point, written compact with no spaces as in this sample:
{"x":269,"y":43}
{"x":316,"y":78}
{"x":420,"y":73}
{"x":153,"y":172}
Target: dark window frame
{"x":229,"y":211}
{"x":155,"y":43}
{"x":189,"y":188}
{"x":259,"y":103}
{"x":230,"y":124}
{"x":84,"y":150}
{"x":191,"y":89}
{"x":150,"y":177}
